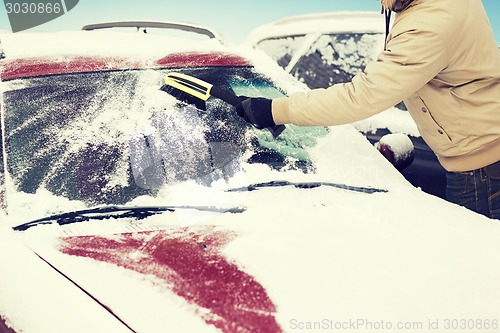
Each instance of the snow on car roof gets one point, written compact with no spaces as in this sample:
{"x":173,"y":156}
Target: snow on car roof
{"x":122,"y":50}
{"x":340,"y":21}
{"x":102,"y":43}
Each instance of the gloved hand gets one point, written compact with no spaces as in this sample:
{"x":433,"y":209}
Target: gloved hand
{"x":256,"y":111}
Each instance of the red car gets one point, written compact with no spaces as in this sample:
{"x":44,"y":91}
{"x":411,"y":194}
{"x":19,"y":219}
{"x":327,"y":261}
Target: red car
{"x":130,"y":207}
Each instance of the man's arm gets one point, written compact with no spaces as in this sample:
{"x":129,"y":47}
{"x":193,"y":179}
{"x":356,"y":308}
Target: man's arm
{"x":411,"y":60}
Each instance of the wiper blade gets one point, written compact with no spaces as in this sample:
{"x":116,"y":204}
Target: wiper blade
{"x":308,"y":185}
{"x":116,"y":212}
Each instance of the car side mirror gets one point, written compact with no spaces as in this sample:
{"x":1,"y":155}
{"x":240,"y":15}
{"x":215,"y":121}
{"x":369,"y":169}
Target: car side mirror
{"x":397,"y":149}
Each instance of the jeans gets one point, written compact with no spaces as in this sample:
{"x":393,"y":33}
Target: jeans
{"x":477,"y":190}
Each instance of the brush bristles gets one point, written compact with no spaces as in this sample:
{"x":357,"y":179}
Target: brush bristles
{"x":184,"y":97}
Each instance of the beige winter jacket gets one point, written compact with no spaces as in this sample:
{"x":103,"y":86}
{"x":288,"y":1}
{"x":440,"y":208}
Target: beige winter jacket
{"x":443,"y":61}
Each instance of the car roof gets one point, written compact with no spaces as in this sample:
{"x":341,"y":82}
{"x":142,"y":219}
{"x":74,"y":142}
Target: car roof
{"x":330,"y":22}
{"x":31,"y":54}
{"x":98,"y":47}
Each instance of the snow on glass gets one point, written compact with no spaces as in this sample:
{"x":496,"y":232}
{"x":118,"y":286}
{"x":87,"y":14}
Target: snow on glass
{"x":349,"y":52}
{"x":341,"y":53}
{"x":59,"y":126}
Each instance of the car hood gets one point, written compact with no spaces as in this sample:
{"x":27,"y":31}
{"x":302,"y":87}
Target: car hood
{"x":284,"y":264}
{"x":291,"y":258}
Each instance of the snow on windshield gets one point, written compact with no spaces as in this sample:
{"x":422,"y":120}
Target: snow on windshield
{"x":282,"y":50}
{"x":67,"y":133}
{"x":110,"y":137}
{"x":102,"y":123}
{"x":321,"y":60}
{"x":348,"y":52}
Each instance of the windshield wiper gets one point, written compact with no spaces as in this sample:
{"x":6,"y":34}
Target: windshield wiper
{"x":307,"y":185}
{"x":116,"y":212}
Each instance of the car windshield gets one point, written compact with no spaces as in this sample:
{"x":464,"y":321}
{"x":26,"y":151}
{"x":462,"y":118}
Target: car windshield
{"x":329,"y":59}
{"x":108,"y":137}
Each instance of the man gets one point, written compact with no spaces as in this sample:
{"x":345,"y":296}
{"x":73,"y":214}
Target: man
{"x":441,"y":58}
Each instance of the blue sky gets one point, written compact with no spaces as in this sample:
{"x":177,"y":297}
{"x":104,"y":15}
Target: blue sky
{"x":232,"y":18}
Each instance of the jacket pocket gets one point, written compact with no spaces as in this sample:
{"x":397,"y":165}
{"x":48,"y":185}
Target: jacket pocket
{"x":432,"y":132}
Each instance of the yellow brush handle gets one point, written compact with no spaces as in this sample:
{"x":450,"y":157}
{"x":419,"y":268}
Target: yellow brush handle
{"x":189,"y":85}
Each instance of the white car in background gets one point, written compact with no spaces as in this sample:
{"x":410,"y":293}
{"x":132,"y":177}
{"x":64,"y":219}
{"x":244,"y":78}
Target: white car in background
{"x":126,"y":209}
{"x":327,"y":48}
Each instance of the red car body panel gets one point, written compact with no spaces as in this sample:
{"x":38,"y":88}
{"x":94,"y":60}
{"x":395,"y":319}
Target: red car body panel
{"x":21,"y":68}
{"x":192,"y":266}
{"x":203,"y":59}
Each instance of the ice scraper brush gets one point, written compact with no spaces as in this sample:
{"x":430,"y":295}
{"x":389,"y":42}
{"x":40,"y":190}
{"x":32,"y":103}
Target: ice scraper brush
{"x":203,"y":90}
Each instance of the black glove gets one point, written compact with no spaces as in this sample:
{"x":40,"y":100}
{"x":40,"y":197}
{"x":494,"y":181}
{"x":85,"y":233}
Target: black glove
{"x":256,"y":111}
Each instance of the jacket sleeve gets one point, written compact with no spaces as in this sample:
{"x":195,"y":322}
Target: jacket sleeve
{"x":413,"y":57}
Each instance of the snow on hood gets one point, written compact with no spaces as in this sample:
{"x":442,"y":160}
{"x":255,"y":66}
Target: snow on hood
{"x":33,"y":293}
{"x":315,"y":254}
{"x":308,"y":255}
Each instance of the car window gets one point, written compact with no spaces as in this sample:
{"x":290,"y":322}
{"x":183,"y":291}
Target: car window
{"x":108,"y":137}
{"x":336,"y":58}
{"x":282,"y":49}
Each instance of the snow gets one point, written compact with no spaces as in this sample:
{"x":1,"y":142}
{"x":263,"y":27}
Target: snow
{"x":393,"y":119}
{"x":341,"y":21}
{"x":88,"y":43}
{"x":404,"y":256}
{"x":400,"y":144}
{"x":319,"y":253}
{"x":33,"y":294}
